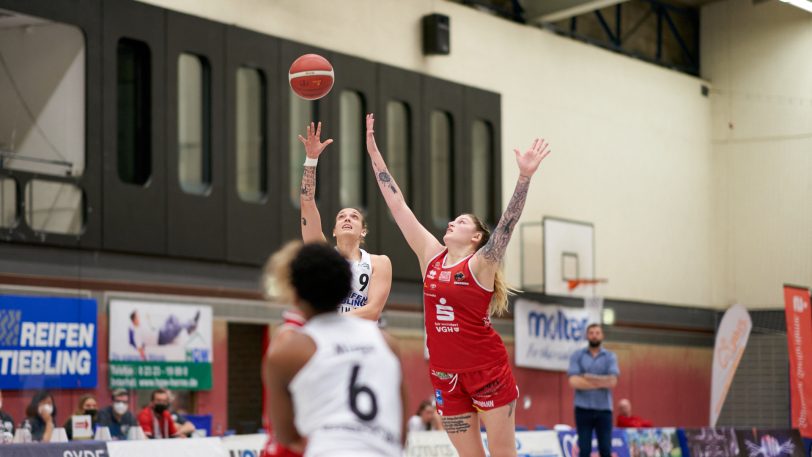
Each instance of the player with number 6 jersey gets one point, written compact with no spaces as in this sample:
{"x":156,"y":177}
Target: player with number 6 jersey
{"x":372,"y":274}
{"x":337,"y":383}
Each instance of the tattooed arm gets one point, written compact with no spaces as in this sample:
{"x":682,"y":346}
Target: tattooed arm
{"x":311,"y":220}
{"x":423,"y":243}
{"x":488,"y":259}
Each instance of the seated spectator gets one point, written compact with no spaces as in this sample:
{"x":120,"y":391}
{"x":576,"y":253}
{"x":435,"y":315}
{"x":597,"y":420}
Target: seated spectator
{"x":155,"y":419}
{"x":117,"y":417}
{"x":625,"y":418}
{"x":41,"y":415}
{"x":185,"y":426}
{"x":87,"y":406}
{"x":426,"y":418}
{"x":6,"y":421}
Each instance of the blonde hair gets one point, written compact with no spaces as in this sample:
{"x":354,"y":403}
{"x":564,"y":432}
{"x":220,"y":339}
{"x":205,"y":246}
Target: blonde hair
{"x":80,"y":408}
{"x":276,"y":277}
{"x":501,"y":289}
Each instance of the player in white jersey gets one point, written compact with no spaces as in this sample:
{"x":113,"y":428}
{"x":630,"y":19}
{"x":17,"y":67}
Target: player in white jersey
{"x":336,"y":383}
{"x":372,"y":274}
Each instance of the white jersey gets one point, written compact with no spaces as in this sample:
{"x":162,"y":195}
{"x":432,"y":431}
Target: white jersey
{"x":361,"y":275}
{"x":346,"y":399}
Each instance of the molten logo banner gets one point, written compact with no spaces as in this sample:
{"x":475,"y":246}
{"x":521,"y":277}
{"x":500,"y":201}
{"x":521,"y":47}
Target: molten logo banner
{"x":731,"y":339}
{"x":799,"y":338}
{"x":547,"y":335}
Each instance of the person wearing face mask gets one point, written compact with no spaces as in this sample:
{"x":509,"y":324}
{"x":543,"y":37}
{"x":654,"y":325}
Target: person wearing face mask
{"x":593,"y":373}
{"x":156,"y":420}
{"x":87,"y":406}
{"x":117,"y":416}
{"x":41,"y":415}
{"x":6,"y":421}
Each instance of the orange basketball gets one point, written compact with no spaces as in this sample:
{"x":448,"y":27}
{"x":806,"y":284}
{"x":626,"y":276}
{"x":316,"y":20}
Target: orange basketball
{"x":311,"y":76}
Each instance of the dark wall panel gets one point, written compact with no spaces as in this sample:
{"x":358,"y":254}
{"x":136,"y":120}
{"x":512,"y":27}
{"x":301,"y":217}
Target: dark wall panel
{"x":196,"y":222}
{"x":87,"y":15}
{"x":252,"y":226}
{"x":397,"y":85}
{"x":354,"y":75}
{"x":445,"y":96}
{"x":135,"y":215}
{"x":484,"y":106}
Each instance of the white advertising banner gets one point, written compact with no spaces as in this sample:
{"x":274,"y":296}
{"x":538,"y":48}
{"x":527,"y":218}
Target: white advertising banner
{"x":528,"y":444}
{"x":547,"y":335}
{"x":197,"y":447}
{"x":731,"y":339}
{"x":244,"y":445}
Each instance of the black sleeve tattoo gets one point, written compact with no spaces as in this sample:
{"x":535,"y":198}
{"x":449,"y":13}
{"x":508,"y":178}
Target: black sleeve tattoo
{"x":456,"y":424}
{"x":309,"y":183}
{"x":494,"y":250}
{"x":512,"y":407}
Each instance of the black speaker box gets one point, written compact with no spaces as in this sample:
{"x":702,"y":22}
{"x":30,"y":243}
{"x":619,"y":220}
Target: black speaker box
{"x":436,"y":34}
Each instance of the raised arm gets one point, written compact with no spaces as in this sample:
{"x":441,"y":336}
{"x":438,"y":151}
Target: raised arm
{"x":423,"y":243}
{"x":311,"y":219}
{"x":489,"y":257}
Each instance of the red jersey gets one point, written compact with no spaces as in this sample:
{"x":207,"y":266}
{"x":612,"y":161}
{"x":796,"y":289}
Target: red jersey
{"x":458,"y":326}
{"x":290,"y":319}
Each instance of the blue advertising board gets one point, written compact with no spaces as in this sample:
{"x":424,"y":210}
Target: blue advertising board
{"x":569,"y":444}
{"x":48,"y":342}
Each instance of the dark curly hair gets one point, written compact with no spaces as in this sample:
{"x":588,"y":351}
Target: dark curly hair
{"x":321,"y":276}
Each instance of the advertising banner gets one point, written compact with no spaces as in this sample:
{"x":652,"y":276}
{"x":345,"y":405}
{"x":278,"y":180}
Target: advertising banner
{"x":47,"y":343}
{"x":160,"y":345}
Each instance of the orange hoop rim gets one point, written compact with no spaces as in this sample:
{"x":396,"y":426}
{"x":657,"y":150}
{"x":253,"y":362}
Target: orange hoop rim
{"x":573,"y":284}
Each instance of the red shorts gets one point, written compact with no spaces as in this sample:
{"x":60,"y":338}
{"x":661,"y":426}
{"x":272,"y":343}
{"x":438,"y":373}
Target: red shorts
{"x":483,"y":390}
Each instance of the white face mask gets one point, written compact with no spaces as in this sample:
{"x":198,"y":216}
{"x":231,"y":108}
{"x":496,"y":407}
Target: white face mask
{"x":46,"y":409}
{"x":120,"y":407}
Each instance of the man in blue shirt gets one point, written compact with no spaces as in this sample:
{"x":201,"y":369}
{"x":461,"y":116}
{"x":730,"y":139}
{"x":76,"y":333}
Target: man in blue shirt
{"x":593,"y":372}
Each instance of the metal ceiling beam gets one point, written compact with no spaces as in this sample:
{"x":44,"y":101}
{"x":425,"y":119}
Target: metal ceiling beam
{"x":556,"y":10}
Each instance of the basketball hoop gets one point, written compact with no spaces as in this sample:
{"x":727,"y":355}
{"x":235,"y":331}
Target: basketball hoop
{"x":573,"y":284}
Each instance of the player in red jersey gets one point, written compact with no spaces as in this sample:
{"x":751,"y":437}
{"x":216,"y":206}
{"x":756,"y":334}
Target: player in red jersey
{"x":462,"y":287}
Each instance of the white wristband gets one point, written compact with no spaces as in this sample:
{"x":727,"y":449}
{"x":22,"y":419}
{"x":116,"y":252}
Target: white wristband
{"x":310,"y":162}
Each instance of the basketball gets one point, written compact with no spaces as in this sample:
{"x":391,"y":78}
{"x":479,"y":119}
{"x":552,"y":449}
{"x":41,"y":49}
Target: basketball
{"x":311,"y":76}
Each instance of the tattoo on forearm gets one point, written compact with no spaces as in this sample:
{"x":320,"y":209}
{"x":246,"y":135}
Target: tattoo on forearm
{"x":392,"y":188}
{"x":457,"y":424}
{"x":384,"y":177}
{"x":309,"y":183}
{"x":494,"y":250}
{"x":304,"y":221}
{"x":512,"y":407}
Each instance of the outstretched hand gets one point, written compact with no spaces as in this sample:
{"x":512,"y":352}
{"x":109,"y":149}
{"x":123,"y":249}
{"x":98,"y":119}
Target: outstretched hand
{"x":370,"y":124}
{"x":313,"y":145}
{"x":530,"y":160}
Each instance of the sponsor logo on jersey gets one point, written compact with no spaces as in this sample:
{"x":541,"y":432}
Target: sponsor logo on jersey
{"x":353,"y":300}
{"x":489,"y":389}
{"x":445,"y":317}
{"x":445,"y":276}
{"x":486,"y":321}
{"x":441,"y":375}
{"x":459,"y":276}
{"x":437,"y":264}
{"x":432,"y":274}
{"x":433,"y":285}
{"x":344,"y":348}
{"x":364,"y":265}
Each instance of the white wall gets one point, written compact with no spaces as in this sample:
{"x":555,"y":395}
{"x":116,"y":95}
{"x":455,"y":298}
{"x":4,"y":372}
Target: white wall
{"x":631,"y":141}
{"x":758,"y":59}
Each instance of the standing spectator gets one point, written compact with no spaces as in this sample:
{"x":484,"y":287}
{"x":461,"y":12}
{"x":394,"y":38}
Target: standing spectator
{"x":425,"y":419}
{"x":6,"y":422}
{"x":41,"y":414}
{"x":155,"y":419}
{"x":592,"y":373}
{"x":87,"y":406}
{"x":117,"y":417}
{"x":625,"y":418}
